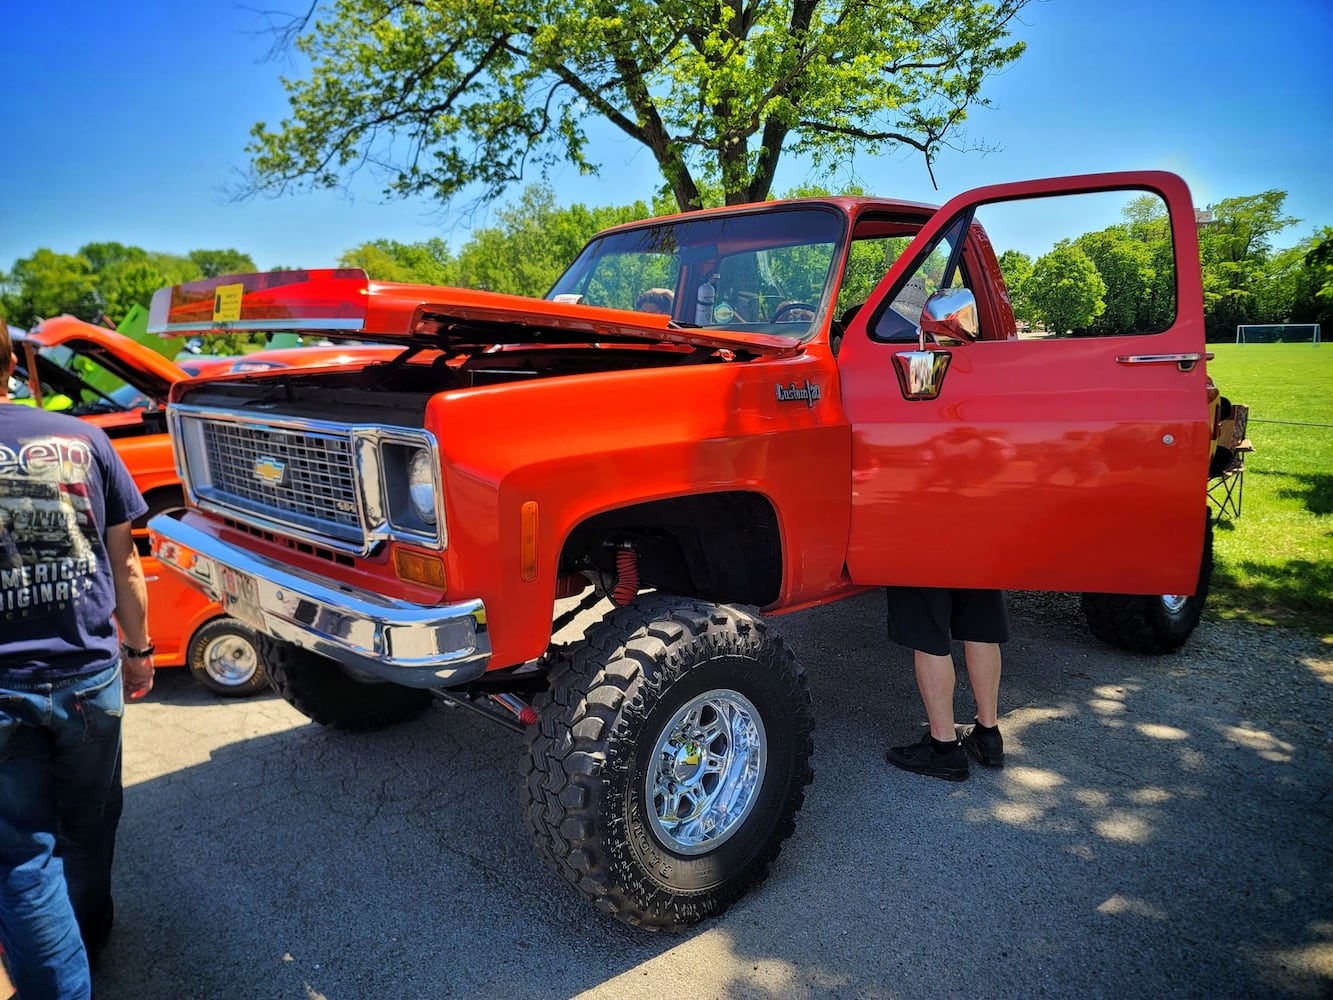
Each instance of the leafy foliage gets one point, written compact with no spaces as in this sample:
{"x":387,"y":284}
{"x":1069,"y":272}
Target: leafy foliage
{"x":1244,"y":279}
{"x":103,"y":281}
{"x":1065,"y":291}
{"x":1317,"y":289}
{"x":531,"y":243}
{"x":867,"y":262}
{"x":215,"y":263}
{"x":1235,"y":249}
{"x":389,"y":260}
{"x":440,"y":96}
{"x":534,"y":239}
{"x":48,"y":284}
{"x":1016,"y":267}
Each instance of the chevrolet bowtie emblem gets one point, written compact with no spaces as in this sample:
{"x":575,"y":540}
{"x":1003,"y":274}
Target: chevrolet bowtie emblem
{"x":270,"y":470}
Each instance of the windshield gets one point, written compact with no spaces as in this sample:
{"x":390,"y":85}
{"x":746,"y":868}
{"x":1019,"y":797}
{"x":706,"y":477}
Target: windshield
{"x":76,"y":383}
{"x":768,"y":271}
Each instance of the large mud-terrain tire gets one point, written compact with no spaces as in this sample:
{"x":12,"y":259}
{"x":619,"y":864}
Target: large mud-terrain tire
{"x":669,"y":760}
{"x":1151,"y":623}
{"x":323,"y":692}
{"x":224,"y":657}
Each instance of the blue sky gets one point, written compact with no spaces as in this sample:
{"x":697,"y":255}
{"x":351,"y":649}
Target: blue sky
{"x":127,"y":122}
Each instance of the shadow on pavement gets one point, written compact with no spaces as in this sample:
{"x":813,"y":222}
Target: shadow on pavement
{"x":1162,"y":828}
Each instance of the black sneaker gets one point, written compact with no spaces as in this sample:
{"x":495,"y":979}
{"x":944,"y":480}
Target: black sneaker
{"x":923,"y":758}
{"x":986,"y":746}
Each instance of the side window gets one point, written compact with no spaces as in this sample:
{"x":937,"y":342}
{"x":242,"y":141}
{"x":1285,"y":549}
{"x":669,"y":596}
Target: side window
{"x":868,"y":261}
{"x":940,"y":268}
{"x":1100,"y":264}
{"x":91,"y":385}
{"x":1097,"y":264}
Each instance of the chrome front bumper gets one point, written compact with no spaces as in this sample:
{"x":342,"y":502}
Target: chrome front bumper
{"x":409,"y":644}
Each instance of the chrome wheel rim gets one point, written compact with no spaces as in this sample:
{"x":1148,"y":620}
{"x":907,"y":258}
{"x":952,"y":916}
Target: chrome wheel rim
{"x":1174,"y":603}
{"x":231,"y":660}
{"x":705,"y":772}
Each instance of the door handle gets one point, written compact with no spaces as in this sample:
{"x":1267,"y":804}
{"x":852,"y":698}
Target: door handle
{"x":1184,"y":361}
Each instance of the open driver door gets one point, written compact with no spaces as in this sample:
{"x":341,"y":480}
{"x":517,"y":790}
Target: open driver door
{"x":1069,"y":456}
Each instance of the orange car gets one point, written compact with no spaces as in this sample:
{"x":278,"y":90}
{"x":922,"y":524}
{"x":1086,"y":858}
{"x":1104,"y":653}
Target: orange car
{"x":110,"y":380}
{"x":120,"y":385}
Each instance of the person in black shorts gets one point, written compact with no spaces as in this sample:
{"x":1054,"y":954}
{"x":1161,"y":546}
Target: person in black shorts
{"x":926,"y":619}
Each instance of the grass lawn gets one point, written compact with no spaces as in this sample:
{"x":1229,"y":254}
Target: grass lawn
{"x":1275,"y":563}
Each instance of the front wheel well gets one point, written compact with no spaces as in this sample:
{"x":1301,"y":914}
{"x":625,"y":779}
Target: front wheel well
{"x":714,"y":546}
{"x":161,"y":499}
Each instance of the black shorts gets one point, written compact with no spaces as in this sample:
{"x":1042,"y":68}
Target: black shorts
{"x":926,"y":618}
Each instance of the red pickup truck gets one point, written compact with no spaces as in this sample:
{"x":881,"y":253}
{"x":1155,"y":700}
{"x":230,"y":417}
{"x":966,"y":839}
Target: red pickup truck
{"x":839,"y":398}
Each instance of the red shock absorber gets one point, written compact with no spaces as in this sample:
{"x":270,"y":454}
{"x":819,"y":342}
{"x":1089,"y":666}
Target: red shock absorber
{"x":627,"y":575}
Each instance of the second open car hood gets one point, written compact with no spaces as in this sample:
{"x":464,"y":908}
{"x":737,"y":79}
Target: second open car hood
{"x":149,"y":372}
{"x":345,"y":303}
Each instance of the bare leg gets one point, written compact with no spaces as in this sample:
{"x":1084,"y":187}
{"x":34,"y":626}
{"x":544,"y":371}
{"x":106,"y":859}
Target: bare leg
{"x":6,"y":987}
{"x":935,"y":679}
{"x":983,"y":671}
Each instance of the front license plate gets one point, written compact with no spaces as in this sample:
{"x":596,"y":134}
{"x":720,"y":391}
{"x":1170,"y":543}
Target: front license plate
{"x":240,"y":596}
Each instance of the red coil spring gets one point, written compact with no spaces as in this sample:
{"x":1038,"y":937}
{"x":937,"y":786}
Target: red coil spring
{"x":627,"y":576}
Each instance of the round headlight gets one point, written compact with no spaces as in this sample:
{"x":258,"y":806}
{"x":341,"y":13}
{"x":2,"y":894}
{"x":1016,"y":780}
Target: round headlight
{"x":421,"y":485}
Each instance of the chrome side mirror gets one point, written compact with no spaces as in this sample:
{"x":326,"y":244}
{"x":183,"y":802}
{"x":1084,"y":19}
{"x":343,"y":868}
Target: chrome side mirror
{"x":951,"y":314}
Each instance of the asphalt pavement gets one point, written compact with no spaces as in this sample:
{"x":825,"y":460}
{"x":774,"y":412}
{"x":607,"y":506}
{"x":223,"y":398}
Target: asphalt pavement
{"x":1162,"y":829}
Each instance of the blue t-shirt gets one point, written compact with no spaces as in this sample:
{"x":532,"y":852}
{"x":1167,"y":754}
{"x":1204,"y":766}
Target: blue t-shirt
{"x":61,"y":485}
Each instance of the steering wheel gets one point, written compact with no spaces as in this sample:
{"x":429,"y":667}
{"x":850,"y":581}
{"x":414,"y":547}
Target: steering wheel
{"x":787,"y":307}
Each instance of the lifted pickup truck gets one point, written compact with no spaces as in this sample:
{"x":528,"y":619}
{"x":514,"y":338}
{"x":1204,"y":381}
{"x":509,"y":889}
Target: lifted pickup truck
{"x":839,"y":399}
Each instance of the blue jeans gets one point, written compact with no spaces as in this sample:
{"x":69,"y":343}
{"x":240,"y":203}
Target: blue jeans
{"x":60,"y":803}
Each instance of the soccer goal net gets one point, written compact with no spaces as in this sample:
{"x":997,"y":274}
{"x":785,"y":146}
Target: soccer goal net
{"x":1277,"y":333}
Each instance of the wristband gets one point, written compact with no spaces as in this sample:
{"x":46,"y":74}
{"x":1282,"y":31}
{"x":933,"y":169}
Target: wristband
{"x":136,"y":654}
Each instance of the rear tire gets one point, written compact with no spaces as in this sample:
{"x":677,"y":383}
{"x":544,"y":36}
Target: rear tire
{"x":1151,"y":623}
{"x":224,"y":657}
{"x":669,"y":761}
{"x":321,"y":690}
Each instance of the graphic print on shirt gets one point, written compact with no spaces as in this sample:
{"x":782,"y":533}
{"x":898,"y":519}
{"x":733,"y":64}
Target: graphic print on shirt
{"x":46,"y":521}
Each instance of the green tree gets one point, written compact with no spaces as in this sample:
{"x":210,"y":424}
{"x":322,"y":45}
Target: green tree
{"x":48,"y":284}
{"x":377,"y":261}
{"x":1146,"y":218}
{"x":1244,"y":227}
{"x":534,"y":241}
{"x":428,"y":263}
{"x":1065,"y":290}
{"x":446,"y":95}
{"x":1282,"y":289}
{"x":105,"y":255}
{"x":1126,"y":269}
{"x":1016,"y":267}
{"x":126,"y":284}
{"x":1234,"y":249}
{"x":1319,"y":262}
{"x":214,"y":263}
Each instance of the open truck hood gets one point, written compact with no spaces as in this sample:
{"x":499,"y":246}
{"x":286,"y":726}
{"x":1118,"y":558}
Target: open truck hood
{"x":345,"y":303}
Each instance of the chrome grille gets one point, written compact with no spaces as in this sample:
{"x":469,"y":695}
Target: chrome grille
{"x":298,"y":476}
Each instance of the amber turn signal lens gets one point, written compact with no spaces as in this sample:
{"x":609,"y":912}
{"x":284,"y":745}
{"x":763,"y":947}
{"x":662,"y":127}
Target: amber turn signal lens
{"x":527,"y":541}
{"x":170,"y":552}
{"x":419,"y":567}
